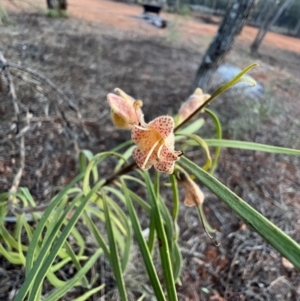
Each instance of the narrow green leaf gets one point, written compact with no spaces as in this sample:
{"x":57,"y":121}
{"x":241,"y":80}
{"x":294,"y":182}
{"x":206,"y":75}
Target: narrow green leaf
{"x":46,"y":258}
{"x":100,"y":240}
{"x":143,"y":246}
{"x":12,"y":257}
{"x":163,"y":241}
{"x":69,"y":284}
{"x":115,"y":260}
{"x":126,"y":155}
{"x":75,"y":260}
{"x":270,"y":232}
{"x":46,"y":264}
{"x":175,"y":192}
{"x":134,"y":179}
{"x":9,"y":240}
{"x":18,"y":233}
{"x":176,"y":261}
{"x":204,"y":145}
{"x":252,"y":146}
{"x":42,"y":222}
{"x":218,"y":126}
{"x":193,"y":127}
{"x":86,"y":156}
{"x":151,"y":237}
{"x":54,"y":280}
{"x":142,"y":297}
{"x":133,"y":195}
{"x":126,"y":239}
{"x":90,"y":293}
{"x":97,"y":159}
{"x":175,"y":211}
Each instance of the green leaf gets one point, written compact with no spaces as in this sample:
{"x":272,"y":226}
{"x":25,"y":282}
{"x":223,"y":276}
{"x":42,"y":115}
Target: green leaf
{"x":252,"y":146}
{"x":12,"y":257}
{"x":100,"y":240}
{"x":46,"y":258}
{"x":126,"y":155}
{"x":124,"y":242}
{"x":149,"y":265}
{"x":79,"y":275}
{"x":176,"y":261}
{"x":218,"y":126}
{"x":270,"y":232}
{"x":89,"y":293}
{"x":162,"y":239}
{"x":204,"y":145}
{"x":193,"y":127}
{"x":115,"y":260}
{"x":37,"y":233}
{"x":92,"y":164}
{"x":175,"y":211}
{"x":133,"y":195}
{"x":86,"y":156}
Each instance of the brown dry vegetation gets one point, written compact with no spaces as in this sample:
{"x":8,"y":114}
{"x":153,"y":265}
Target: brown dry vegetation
{"x":102,"y":46}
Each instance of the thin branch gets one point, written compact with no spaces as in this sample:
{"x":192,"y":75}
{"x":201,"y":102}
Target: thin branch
{"x":12,"y":92}
{"x":121,"y":172}
{"x":69,"y":102}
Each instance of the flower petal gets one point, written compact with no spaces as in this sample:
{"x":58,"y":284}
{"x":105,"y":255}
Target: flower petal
{"x":145,"y":138}
{"x":164,"y":125}
{"x":140,"y":156}
{"x":165,"y":154}
{"x":165,"y":166}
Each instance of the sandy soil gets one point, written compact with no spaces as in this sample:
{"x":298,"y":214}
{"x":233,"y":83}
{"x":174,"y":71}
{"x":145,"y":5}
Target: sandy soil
{"x":123,"y":16}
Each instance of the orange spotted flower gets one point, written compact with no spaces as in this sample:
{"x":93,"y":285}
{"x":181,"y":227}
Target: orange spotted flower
{"x":155,"y":140}
{"x":155,"y":144}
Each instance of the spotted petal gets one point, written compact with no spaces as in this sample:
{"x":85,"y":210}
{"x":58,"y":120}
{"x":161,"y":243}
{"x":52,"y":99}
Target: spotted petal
{"x":165,"y":166}
{"x":140,"y":157}
{"x":165,"y":154}
{"x":164,"y":125}
{"x":144,"y":137}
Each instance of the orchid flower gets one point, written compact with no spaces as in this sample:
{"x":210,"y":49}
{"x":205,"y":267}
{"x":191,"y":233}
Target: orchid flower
{"x":155,"y":140}
{"x":125,"y":111}
{"x":192,"y":104}
{"x":155,"y":144}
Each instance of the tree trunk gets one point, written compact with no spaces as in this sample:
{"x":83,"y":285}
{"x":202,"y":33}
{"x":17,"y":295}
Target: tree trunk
{"x":265,"y":10}
{"x":57,"y":4}
{"x":267,"y":25}
{"x":296,"y":31}
{"x":236,"y":16}
{"x":263,"y":26}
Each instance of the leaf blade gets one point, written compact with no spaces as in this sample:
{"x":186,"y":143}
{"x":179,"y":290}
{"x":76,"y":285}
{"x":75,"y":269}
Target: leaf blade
{"x":270,"y":232}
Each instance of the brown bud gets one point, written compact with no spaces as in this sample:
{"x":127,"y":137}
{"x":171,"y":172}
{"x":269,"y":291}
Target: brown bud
{"x":193,"y":194}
